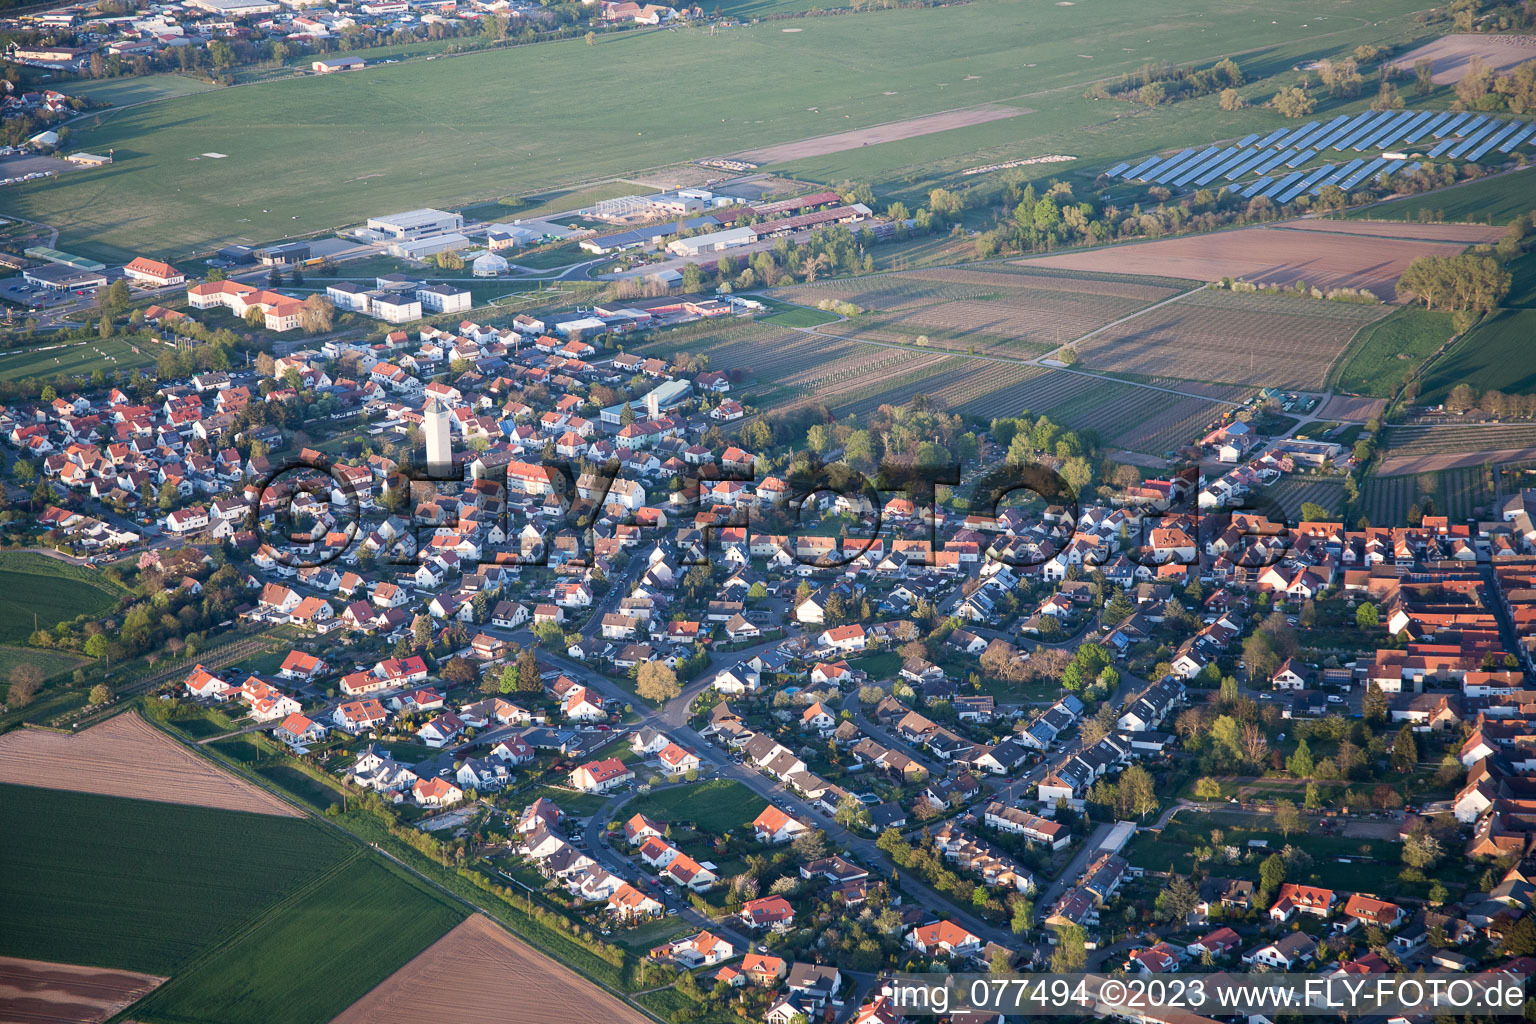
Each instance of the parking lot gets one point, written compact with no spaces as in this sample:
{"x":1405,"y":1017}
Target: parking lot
{"x":17,"y":290}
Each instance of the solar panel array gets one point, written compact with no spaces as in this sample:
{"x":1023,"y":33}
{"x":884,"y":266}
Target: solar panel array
{"x":1463,"y":136}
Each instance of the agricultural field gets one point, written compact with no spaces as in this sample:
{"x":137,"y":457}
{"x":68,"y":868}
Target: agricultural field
{"x":125,"y":756}
{"x":1264,"y":255}
{"x":307,"y":154}
{"x":1291,"y":492}
{"x":712,"y":807}
{"x":1459,"y":493}
{"x":105,"y":354}
{"x":1496,"y":354}
{"x":37,"y":592}
{"x":1495,"y":201}
{"x":474,"y":974}
{"x":38,"y":992}
{"x":1214,"y":335}
{"x":138,"y":885}
{"x":52,"y":663}
{"x":1522,"y":287}
{"x":1384,"y":352}
{"x":319,"y":951}
{"x":1451,"y":56}
{"x":995,"y":310}
{"x":1420,"y":448}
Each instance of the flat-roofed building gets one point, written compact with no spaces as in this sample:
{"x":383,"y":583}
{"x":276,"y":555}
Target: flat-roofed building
{"x":413,"y":224}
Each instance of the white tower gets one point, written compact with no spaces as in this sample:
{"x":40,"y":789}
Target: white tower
{"x":439,"y":438}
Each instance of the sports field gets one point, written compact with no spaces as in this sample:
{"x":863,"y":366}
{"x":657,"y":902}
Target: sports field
{"x":1496,"y":355}
{"x":143,"y":886}
{"x":1495,"y":200}
{"x":38,"y":592}
{"x":311,"y":153}
{"x":1384,"y":352}
{"x":106,"y":354}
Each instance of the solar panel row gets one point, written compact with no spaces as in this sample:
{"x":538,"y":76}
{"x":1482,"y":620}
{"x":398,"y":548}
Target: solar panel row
{"x":1517,"y":138}
{"x":1426,"y":128}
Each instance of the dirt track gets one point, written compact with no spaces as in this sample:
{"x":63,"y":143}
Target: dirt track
{"x":479,"y":974}
{"x":126,"y":756}
{"x":37,"y":992}
{"x":821,"y":145}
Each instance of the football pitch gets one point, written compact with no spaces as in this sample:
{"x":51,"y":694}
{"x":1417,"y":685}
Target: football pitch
{"x":308,"y":154}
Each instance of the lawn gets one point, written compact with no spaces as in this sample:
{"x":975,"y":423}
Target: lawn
{"x":1496,"y":200}
{"x":78,"y":358}
{"x":1382,"y":353}
{"x":713,"y":807}
{"x":786,"y":314}
{"x":308,"y":154}
{"x":318,"y":953}
{"x":38,"y":592}
{"x":120,"y":92}
{"x":1495,"y":354}
{"x":138,"y":885}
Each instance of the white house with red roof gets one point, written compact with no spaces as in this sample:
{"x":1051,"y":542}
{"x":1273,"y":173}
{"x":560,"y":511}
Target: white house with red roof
{"x":1296,"y":899}
{"x":442,"y":730}
{"x":675,"y":760}
{"x":943,"y":938}
{"x":774,"y":826}
{"x":299,"y":665}
{"x":299,"y":731}
{"x":699,"y":950}
{"x":601,"y":776}
{"x":358,"y":716}
{"x":436,"y":792}
{"x":202,"y":683}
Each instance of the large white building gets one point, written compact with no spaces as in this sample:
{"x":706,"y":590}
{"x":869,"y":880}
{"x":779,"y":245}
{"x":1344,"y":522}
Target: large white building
{"x":438,"y":433}
{"x":413,"y":224}
{"x":444,"y":298}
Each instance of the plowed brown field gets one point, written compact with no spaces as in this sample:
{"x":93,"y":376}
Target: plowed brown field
{"x":478,"y":974}
{"x":37,"y":992}
{"x":126,"y":756}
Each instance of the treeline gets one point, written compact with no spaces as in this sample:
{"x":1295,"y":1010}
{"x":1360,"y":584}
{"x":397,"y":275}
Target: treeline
{"x":1465,"y":398}
{"x":1154,"y":84}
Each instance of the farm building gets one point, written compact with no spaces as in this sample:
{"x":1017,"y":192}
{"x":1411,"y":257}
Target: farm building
{"x":334,"y":64}
{"x":715,"y":241}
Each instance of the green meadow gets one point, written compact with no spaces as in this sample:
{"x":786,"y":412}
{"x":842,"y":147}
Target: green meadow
{"x":308,"y":154}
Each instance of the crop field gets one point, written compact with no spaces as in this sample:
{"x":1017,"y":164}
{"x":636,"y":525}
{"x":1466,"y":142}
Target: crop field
{"x":1522,"y":287}
{"x":52,"y":663}
{"x":137,"y":885}
{"x":125,"y":756}
{"x":989,"y":311}
{"x":1420,"y":448}
{"x":37,"y":592}
{"x":1232,"y":337}
{"x":306,"y":154}
{"x":322,"y":949}
{"x":1496,"y":200}
{"x":1451,"y":56}
{"x":106,"y":354}
{"x":1291,"y":492}
{"x":1264,"y":255}
{"x":476,"y":974}
{"x":1496,"y":354}
{"x":1460,"y":493}
{"x":1384,"y":352}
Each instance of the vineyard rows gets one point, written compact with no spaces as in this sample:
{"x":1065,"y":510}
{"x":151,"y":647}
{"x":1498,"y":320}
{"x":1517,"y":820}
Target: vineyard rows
{"x":1231,"y":337}
{"x":1291,"y":492}
{"x":1458,"y":493}
{"x":1435,"y":439}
